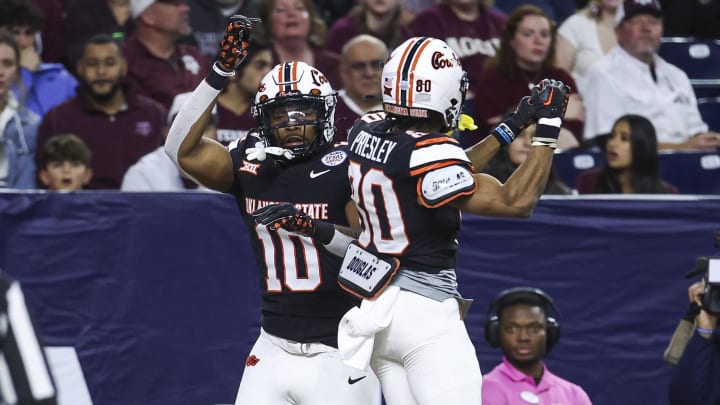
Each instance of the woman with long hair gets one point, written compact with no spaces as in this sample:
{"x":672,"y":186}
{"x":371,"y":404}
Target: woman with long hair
{"x":631,"y":162}
{"x":524,"y":58}
{"x":382,"y":19}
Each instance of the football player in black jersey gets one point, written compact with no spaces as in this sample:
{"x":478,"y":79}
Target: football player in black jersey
{"x":289,"y":158}
{"x":410,"y":181}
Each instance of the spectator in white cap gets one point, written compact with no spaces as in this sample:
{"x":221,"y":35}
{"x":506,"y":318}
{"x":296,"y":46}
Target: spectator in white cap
{"x":633,"y":79}
{"x":158,"y":64}
{"x":155,"y":171}
{"x":138,"y":6}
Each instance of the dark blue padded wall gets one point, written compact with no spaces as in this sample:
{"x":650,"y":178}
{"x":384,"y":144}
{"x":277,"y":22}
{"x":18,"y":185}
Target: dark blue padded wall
{"x":158,"y":293}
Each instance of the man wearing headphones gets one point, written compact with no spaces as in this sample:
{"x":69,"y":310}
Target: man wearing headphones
{"x":520,"y":324}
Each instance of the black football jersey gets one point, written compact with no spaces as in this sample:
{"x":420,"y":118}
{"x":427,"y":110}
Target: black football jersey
{"x":386,"y":172}
{"x":301,"y":299}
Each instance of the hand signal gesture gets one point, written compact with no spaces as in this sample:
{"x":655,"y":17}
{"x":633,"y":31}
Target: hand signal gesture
{"x":233,"y":46}
{"x":550,"y":99}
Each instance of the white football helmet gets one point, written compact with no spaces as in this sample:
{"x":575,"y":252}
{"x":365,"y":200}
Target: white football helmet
{"x":423,"y":74}
{"x":288,"y":94}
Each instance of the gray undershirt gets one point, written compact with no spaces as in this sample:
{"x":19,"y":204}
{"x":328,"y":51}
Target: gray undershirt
{"x":436,"y":286}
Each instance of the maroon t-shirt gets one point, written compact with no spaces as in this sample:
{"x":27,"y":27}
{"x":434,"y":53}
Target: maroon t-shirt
{"x":116,"y":141}
{"x":342,"y":30}
{"x":348,"y":27}
{"x":344,"y":120}
{"x":53,"y":41}
{"x":587,"y":181}
{"x":162,"y":79}
{"x":231,"y":126}
{"x":473,"y":41}
{"x":496,"y":94}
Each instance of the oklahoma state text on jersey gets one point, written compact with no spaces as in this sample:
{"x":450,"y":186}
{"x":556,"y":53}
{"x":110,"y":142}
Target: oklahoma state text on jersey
{"x":301,"y":300}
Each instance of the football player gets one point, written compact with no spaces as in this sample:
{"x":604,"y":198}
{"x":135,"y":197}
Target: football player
{"x":410,"y":181}
{"x":289,"y":158}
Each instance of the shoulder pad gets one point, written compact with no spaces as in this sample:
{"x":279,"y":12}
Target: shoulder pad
{"x":442,"y":185}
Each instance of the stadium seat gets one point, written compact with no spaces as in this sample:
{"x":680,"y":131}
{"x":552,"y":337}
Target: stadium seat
{"x":690,"y":172}
{"x":698,"y":58}
{"x":710,"y":111}
{"x":569,"y":165}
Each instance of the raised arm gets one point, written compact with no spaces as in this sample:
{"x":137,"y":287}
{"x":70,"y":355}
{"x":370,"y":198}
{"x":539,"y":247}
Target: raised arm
{"x":203,"y":159}
{"x":481,"y":153}
{"x":520,"y":193}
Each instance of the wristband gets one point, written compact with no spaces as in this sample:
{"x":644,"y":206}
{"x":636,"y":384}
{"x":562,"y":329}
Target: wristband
{"x":704,"y":330}
{"x":324,"y":231}
{"x":503,"y":133}
{"x":550,"y":143}
{"x":546,"y":133}
{"x":338,"y":244}
{"x":218,"y":78}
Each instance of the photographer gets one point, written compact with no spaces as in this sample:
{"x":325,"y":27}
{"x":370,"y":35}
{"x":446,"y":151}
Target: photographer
{"x":696,"y":379}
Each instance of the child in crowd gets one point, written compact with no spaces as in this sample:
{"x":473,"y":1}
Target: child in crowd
{"x":65,"y":164}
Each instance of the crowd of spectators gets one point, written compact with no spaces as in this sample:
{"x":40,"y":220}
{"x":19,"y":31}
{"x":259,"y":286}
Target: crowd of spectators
{"x":107,"y":71}
{"x":89,"y":89}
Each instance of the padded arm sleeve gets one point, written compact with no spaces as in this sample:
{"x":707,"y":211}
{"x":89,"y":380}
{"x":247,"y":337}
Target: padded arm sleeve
{"x":190,"y":112}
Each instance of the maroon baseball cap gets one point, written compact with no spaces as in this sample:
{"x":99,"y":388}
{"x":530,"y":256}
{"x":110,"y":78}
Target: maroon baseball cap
{"x":635,"y":7}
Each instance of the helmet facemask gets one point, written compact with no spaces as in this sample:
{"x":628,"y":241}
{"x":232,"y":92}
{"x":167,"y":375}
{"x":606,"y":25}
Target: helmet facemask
{"x":291,"y":99}
{"x":297,"y":115}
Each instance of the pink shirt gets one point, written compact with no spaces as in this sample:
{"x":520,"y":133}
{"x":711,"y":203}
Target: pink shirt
{"x":506,"y":385}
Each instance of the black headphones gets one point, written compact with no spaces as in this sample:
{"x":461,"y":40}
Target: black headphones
{"x":492,"y":326}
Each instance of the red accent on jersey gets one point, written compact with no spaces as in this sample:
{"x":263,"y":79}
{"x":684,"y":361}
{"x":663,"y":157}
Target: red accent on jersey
{"x":252,"y":360}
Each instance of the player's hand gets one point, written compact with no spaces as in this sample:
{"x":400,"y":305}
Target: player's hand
{"x":511,"y":126}
{"x":550,"y":99}
{"x":233,"y":45}
{"x":285,"y":216}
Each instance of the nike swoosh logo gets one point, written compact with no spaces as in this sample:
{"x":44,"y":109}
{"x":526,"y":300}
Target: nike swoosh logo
{"x":318,"y":174}
{"x":352,"y":381}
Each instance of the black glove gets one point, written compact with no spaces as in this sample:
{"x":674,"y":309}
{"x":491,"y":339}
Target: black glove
{"x":285,"y":216}
{"x":510,"y":127}
{"x":233,"y":45}
{"x":550,"y":99}
{"x":291,"y":219}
